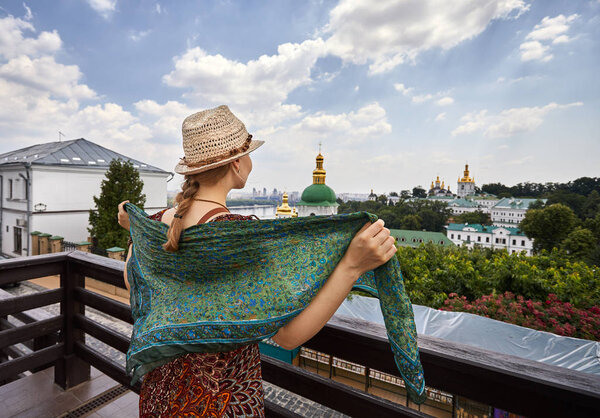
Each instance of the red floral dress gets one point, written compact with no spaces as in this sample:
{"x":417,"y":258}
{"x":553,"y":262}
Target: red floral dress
{"x":225,"y":384}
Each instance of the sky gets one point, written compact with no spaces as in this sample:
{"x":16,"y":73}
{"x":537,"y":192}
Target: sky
{"x":397,"y":92}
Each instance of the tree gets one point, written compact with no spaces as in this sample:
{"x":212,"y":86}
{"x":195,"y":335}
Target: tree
{"x":549,"y":226}
{"x":382,"y":198}
{"x":591,"y":207}
{"x":580,"y":243}
{"x":418,"y":191}
{"x":477,"y":217}
{"x":122,"y":182}
{"x":412,"y":222}
{"x":538,"y":204}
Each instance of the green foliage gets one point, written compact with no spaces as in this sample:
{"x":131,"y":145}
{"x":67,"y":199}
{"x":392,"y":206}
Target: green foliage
{"x":477,"y":217}
{"x":432,"y":272}
{"x":122,"y":182}
{"x":419,"y":192}
{"x":416,"y":215}
{"x":580,"y":243}
{"x":581,"y":195}
{"x":549,"y":226}
{"x":591,"y":206}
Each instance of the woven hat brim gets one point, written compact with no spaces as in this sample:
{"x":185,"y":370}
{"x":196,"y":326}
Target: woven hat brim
{"x":181,"y":168}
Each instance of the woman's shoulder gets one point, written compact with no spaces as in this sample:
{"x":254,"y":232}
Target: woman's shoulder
{"x":158,"y":215}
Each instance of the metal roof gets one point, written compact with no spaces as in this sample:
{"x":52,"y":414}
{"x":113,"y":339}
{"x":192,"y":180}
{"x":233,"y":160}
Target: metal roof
{"x":73,"y":153}
{"x":487,"y":229}
{"x":515,"y":203}
{"x":410,"y":238}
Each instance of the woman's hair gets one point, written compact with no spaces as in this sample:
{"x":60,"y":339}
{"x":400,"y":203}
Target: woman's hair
{"x":185,"y":198}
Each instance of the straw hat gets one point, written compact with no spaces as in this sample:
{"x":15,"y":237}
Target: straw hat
{"x":212,"y":138}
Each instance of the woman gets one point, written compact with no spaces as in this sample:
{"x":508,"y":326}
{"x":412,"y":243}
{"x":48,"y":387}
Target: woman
{"x":217,"y":146}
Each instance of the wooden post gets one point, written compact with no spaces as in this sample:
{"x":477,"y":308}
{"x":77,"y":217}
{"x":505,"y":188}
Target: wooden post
{"x":71,"y":370}
{"x":35,"y":243}
{"x":44,"y":243}
{"x":56,"y":244}
{"x":83,"y":246}
{"x":116,"y":253}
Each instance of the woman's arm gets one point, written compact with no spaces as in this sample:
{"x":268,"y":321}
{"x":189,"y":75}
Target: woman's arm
{"x":125,"y":269}
{"x":370,"y":247}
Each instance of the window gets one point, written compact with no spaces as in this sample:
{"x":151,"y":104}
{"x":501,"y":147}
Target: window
{"x":503,"y":240}
{"x":478,"y":239}
{"x":452,"y":236}
{"x":497,"y":240}
{"x":487,"y":239}
{"x":522,"y":243}
{"x":514,"y":242}
{"x":441,"y":242}
{"x":17,"y":239}
{"x":402,"y":239}
{"x":10,"y":188}
{"x":458,"y":236}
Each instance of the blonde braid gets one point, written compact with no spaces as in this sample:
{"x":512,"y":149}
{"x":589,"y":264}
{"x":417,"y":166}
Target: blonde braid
{"x":184,"y":200}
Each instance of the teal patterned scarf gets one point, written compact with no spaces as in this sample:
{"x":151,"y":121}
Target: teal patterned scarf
{"x":237,"y":282}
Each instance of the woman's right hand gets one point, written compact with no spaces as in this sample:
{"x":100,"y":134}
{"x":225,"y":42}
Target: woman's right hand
{"x":371,"y":247}
{"x":123,"y":216}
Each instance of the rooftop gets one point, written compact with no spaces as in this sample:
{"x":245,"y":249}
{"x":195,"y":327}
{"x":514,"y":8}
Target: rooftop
{"x":408,"y":238}
{"x":515,"y":203}
{"x":73,"y":153}
{"x":486,"y":229}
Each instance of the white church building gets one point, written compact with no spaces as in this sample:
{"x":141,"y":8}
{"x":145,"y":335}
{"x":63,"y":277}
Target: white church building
{"x":50,"y":188}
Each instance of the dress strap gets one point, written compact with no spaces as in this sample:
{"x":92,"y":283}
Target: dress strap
{"x":210,"y":213}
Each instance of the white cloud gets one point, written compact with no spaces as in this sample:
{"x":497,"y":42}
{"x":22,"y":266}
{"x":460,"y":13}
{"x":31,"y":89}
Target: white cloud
{"x":403,"y":89}
{"x":387,"y":33}
{"x":13,"y":43}
{"x":366,"y":123}
{"x":534,"y":50}
{"x":104,"y":8}
{"x":445,"y":101}
{"x":137,"y":36}
{"x":509,"y":122}
{"x":550,"y":31}
{"x":28,"y":14}
{"x":46,"y":75}
{"x":158,"y":8}
{"x":257,"y":89}
{"x":421,"y":98}
{"x":425,"y":97}
{"x":440,"y":117}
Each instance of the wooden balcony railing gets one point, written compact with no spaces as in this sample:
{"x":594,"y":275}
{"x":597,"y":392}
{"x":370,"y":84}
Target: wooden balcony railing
{"x":521,"y":386}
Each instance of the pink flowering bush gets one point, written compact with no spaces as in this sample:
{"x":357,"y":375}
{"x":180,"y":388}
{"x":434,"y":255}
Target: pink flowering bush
{"x":553,"y":315}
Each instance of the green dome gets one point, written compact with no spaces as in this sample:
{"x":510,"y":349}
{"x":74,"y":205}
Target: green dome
{"x":318,"y":195}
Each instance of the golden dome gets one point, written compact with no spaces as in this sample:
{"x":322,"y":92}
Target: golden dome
{"x":466,"y":178}
{"x":284,"y":209}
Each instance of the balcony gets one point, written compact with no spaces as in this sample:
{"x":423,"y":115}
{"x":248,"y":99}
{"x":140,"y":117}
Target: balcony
{"x":58,"y":351}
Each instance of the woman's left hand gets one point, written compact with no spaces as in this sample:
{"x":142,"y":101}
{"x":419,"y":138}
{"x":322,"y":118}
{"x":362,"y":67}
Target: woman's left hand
{"x":123,"y":216}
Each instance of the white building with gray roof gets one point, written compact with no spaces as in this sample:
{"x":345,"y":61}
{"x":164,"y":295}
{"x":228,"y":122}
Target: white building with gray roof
{"x":510,"y":211}
{"x":50,"y":188}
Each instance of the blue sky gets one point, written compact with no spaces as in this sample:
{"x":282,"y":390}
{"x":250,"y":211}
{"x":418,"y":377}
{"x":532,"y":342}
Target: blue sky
{"x":398,"y":92}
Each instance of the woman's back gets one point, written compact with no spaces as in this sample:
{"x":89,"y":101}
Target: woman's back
{"x":205,"y":384}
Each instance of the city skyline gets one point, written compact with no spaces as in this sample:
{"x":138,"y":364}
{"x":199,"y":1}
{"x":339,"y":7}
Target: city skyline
{"x":398,"y":94}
